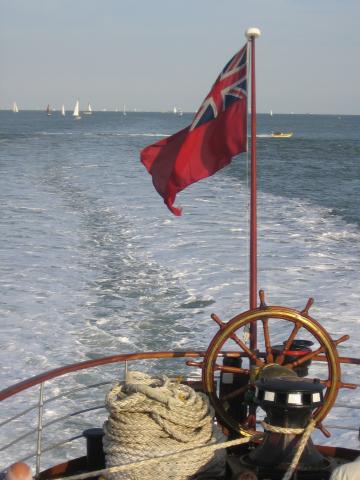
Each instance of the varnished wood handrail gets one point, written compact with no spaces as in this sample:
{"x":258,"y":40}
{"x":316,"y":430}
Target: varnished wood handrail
{"x":60,"y":371}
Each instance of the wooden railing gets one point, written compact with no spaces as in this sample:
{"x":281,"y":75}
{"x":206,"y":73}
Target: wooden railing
{"x":40,"y":380}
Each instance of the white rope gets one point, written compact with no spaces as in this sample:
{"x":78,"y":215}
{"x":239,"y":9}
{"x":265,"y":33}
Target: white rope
{"x":156,"y":460}
{"x":155,"y":416}
{"x":284,"y":430}
{"x":299,"y":450}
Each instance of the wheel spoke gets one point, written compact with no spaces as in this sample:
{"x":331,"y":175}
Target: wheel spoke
{"x":251,"y":418}
{"x":221,"y":368}
{"x":307,"y":307}
{"x":305,"y":358}
{"x":252,"y":355}
{"x":228,"y":369}
{"x":269,"y":354}
{"x":352,"y":386}
{"x":191,"y":363}
{"x":323,"y":430}
{"x":280,"y":358}
{"x":322,"y":358}
{"x":328,"y":382}
{"x":235,"y":393}
{"x":313,"y":354}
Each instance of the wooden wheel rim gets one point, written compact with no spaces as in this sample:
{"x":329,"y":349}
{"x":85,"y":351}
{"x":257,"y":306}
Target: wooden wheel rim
{"x":254,"y":315}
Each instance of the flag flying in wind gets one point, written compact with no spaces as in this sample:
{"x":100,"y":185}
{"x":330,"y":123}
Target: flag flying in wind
{"x":217,"y":133}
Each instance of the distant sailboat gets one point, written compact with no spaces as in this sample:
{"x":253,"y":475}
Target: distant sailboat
{"x":76,"y":113}
{"x":271,"y":113}
{"x":15,"y":108}
{"x":174,"y":110}
{"x":63,"y":110}
{"x":124,"y":109}
{"x":48,"y":110}
{"x":88,"y":111}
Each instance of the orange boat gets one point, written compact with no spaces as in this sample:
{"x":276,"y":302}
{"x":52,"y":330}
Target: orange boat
{"x":282,"y":134}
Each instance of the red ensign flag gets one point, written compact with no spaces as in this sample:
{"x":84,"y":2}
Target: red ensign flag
{"x":217,"y":133}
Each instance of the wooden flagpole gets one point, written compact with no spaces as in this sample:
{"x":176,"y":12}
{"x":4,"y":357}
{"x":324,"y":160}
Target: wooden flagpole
{"x":252,"y":34}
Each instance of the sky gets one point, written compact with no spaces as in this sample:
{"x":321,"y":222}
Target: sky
{"x":154,"y":54}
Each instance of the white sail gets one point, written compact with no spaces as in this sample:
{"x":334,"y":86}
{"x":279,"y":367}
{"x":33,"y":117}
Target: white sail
{"x":89,"y":110}
{"x":15,"y":108}
{"x":76,"y":113}
{"x":63,"y":110}
{"x":271,"y":113}
{"x":124,"y":109}
{"x":174,"y":110}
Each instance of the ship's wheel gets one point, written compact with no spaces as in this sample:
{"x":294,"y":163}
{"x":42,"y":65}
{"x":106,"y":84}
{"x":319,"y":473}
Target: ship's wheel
{"x":287,"y":324}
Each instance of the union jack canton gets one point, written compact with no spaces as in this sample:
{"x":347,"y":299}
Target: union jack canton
{"x":229,"y":87}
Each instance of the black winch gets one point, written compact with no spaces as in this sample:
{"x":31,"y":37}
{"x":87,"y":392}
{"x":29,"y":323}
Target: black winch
{"x":288,"y":401}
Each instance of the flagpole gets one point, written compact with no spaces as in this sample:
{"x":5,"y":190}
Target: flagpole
{"x":252,"y":34}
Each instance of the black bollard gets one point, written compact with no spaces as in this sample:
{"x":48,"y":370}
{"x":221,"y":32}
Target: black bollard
{"x":94,"y":448}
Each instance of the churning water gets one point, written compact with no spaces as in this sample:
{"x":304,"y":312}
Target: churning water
{"x":92,"y":263}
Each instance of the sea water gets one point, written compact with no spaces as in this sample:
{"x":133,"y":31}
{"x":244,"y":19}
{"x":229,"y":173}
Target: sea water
{"x":93,"y":264}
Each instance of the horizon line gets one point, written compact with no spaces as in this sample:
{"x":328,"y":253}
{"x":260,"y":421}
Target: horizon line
{"x":129,"y":111}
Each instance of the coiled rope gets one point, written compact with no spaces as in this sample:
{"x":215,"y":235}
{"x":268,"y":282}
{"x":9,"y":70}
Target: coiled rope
{"x":159,"y":428}
{"x":153,"y":417}
{"x":105,"y":472}
{"x":210,"y":448}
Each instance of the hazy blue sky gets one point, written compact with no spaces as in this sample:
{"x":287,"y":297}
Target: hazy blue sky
{"x":153,"y":54}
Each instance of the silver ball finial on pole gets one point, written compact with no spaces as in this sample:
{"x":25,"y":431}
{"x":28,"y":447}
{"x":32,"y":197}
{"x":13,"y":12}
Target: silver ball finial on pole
{"x":253,"y":32}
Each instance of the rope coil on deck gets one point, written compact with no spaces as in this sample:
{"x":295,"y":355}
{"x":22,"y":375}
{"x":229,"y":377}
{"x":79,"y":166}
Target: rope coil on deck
{"x":157,"y":460}
{"x":156,"y":416}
